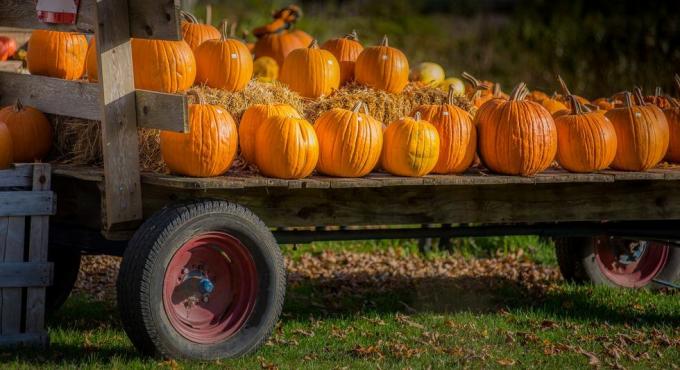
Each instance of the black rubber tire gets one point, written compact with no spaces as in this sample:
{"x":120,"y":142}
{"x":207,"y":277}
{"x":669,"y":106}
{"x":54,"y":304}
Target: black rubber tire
{"x":66,"y":264}
{"x":576,"y":258}
{"x":142,"y":270}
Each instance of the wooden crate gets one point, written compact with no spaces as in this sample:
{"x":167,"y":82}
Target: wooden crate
{"x":26,"y":202}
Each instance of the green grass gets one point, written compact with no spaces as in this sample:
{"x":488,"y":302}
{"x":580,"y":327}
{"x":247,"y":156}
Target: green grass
{"x":489,"y":328}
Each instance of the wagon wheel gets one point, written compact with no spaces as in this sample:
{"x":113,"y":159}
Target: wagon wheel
{"x":66,"y":262}
{"x":201,"y":280}
{"x":617,"y":262}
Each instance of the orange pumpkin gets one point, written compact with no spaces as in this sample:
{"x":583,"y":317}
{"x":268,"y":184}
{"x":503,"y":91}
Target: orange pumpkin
{"x":57,"y":54}
{"x":673,"y":117}
{"x":658,"y":99}
{"x":479,"y":92}
{"x":516,"y":136}
{"x":208,"y":149}
{"x":350,"y":142}
{"x":286,"y":147}
{"x":195,"y":33}
{"x":457,"y":135}
{"x":554,"y":106}
{"x":302,"y":36}
{"x":537,"y":96}
{"x":311,"y":72}
{"x":382,"y":67}
{"x":31,"y":132}
{"x":91,"y":64}
{"x":224,"y":63}
{"x":252,"y":120}
{"x":604,"y":103}
{"x":6,"y":148}
{"x":642,"y":133}
{"x":586,"y":141}
{"x":565,"y":98}
{"x":410,"y":147}
{"x":161,"y":65}
{"x":278,"y":45}
{"x":346,"y":50}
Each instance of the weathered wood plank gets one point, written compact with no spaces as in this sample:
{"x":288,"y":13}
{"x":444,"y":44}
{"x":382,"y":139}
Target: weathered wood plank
{"x":11,"y":66}
{"x":158,"y":19}
{"x":23,"y":274}
{"x":27,"y":203}
{"x":19,"y":176}
{"x":162,"y":111}
{"x":11,"y":297}
{"x":25,"y":339}
{"x":4,"y":228}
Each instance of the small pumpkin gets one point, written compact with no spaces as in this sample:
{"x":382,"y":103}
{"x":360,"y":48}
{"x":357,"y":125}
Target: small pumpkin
{"x":57,"y":54}
{"x":31,"y":132}
{"x":453,"y":83}
{"x":537,"y":96}
{"x":428,"y":73}
{"x":265,"y":69}
{"x":224,"y":63}
{"x":208,"y":149}
{"x":586,"y":141}
{"x":91,"y":63}
{"x":277,"y":45}
{"x":382,"y":67}
{"x":195,"y":33}
{"x":516,"y":136}
{"x":286,"y":147}
{"x":658,"y":99}
{"x":311,"y":72}
{"x":252,"y":119}
{"x":350,"y":142}
{"x":346,"y":50}
{"x":6,"y":147}
{"x":161,"y":65}
{"x":672,"y":114}
{"x":554,"y":106}
{"x":457,"y":135}
{"x":604,"y":103}
{"x":8,"y":47}
{"x":410,"y":147}
{"x":642,"y":133}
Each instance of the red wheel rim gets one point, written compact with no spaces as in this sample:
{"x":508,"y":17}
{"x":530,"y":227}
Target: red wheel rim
{"x":205,"y":315}
{"x":630,"y":263}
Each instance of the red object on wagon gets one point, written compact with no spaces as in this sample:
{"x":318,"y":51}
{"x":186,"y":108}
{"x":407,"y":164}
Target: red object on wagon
{"x":57,"y":11}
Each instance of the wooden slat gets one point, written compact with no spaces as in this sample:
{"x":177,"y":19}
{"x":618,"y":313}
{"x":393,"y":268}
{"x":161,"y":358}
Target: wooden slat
{"x":11,"y":297}
{"x":27,"y":203}
{"x":19,"y":176}
{"x":4,"y":225}
{"x":155,"y":19}
{"x":162,"y":111}
{"x":11,"y":66}
{"x":119,"y":118}
{"x":24,"y":274}
{"x":25,"y":339}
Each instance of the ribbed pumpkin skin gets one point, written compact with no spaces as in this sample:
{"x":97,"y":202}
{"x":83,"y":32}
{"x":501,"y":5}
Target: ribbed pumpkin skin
{"x":57,"y":54}
{"x":410,"y":147}
{"x":224,"y":64}
{"x":302,"y":36}
{"x":278,"y":46}
{"x":6,"y":147}
{"x":208,"y":149}
{"x":349,"y":143}
{"x":31,"y":132}
{"x":585,"y":142}
{"x":383,"y":68}
{"x":457,"y":136}
{"x":91,"y":66}
{"x":554,"y":106}
{"x":252,"y":119}
{"x":673,"y":118}
{"x":311,"y":72}
{"x":346,"y":51}
{"x":643,"y":135}
{"x":516,"y":137}
{"x":165,"y":66}
{"x":196,"y":33}
{"x":287,"y":148}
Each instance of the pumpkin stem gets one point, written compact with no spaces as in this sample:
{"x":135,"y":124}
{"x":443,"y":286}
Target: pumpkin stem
{"x":314,"y":44}
{"x":471,"y":79}
{"x":638,"y":96}
{"x":189,"y":17}
{"x":417,"y":116}
{"x":451,"y":97}
{"x":576,"y":107}
{"x":627,"y":99}
{"x":385,"y":42}
{"x":357,"y":106}
{"x":657,"y":91}
{"x":590,"y":108}
{"x":497,"y":92}
{"x":672,"y":102}
{"x":352,"y":36}
{"x":563,"y":84}
{"x":224,"y":29}
{"x":677,"y":81}
{"x":519,"y":92}
{"x":18,"y":106}
{"x":198,"y":98}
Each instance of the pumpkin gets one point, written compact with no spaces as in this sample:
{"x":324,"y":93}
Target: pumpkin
{"x":91,"y":63}
{"x":453,"y":83}
{"x":658,"y":99}
{"x":30,"y":130}
{"x":57,"y":54}
{"x":382,"y":67}
{"x":6,"y":147}
{"x":350,"y":142}
{"x":673,"y":117}
{"x":516,"y":136}
{"x":302,"y":36}
{"x":195,"y":33}
{"x":208,"y":149}
{"x":286,"y":147}
{"x":604,"y":103}
{"x":161,"y":65}
{"x":277,"y":45}
{"x":311,"y":72}
{"x":537,"y":96}
{"x":252,"y":119}
{"x":478,"y":92}
{"x":457,"y":135}
{"x":565,"y":98}
{"x":410,"y":147}
{"x":428,"y":73}
{"x":346,"y":50}
{"x":224,"y":63}
{"x":553,"y":105}
{"x":265,"y":69}
{"x":8,"y":47}
{"x":642,"y":133}
{"x":586,"y":141}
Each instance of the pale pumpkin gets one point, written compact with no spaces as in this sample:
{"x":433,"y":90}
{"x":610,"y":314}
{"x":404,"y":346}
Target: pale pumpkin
{"x":224,"y":63}
{"x":6,"y":147}
{"x":382,"y":67}
{"x":673,"y":117}
{"x":457,"y":135}
{"x":286,"y":147}
{"x":311,"y":72}
{"x":161,"y":65}
{"x":642,"y":133}
{"x":516,"y":136}
{"x":586,"y":141}
{"x":57,"y":54}
{"x":350,"y":142}
{"x":410,"y":147}
{"x":208,"y":149}
{"x":91,"y":63}
{"x":251,"y":120}
{"x":31,"y":132}
{"x":453,"y":83}
{"x":195,"y":33}
{"x":265,"y":69}
{"x":346,"y":50}
{"x":428,"y":73}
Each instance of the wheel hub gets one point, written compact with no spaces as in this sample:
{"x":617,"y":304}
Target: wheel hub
{"x":630,"y":263}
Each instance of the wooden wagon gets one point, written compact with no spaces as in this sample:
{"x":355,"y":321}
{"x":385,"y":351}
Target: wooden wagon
{"x":202,"y":275}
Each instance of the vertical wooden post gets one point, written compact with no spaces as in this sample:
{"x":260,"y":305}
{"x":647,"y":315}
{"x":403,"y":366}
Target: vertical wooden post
{"x":123,"y":198}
